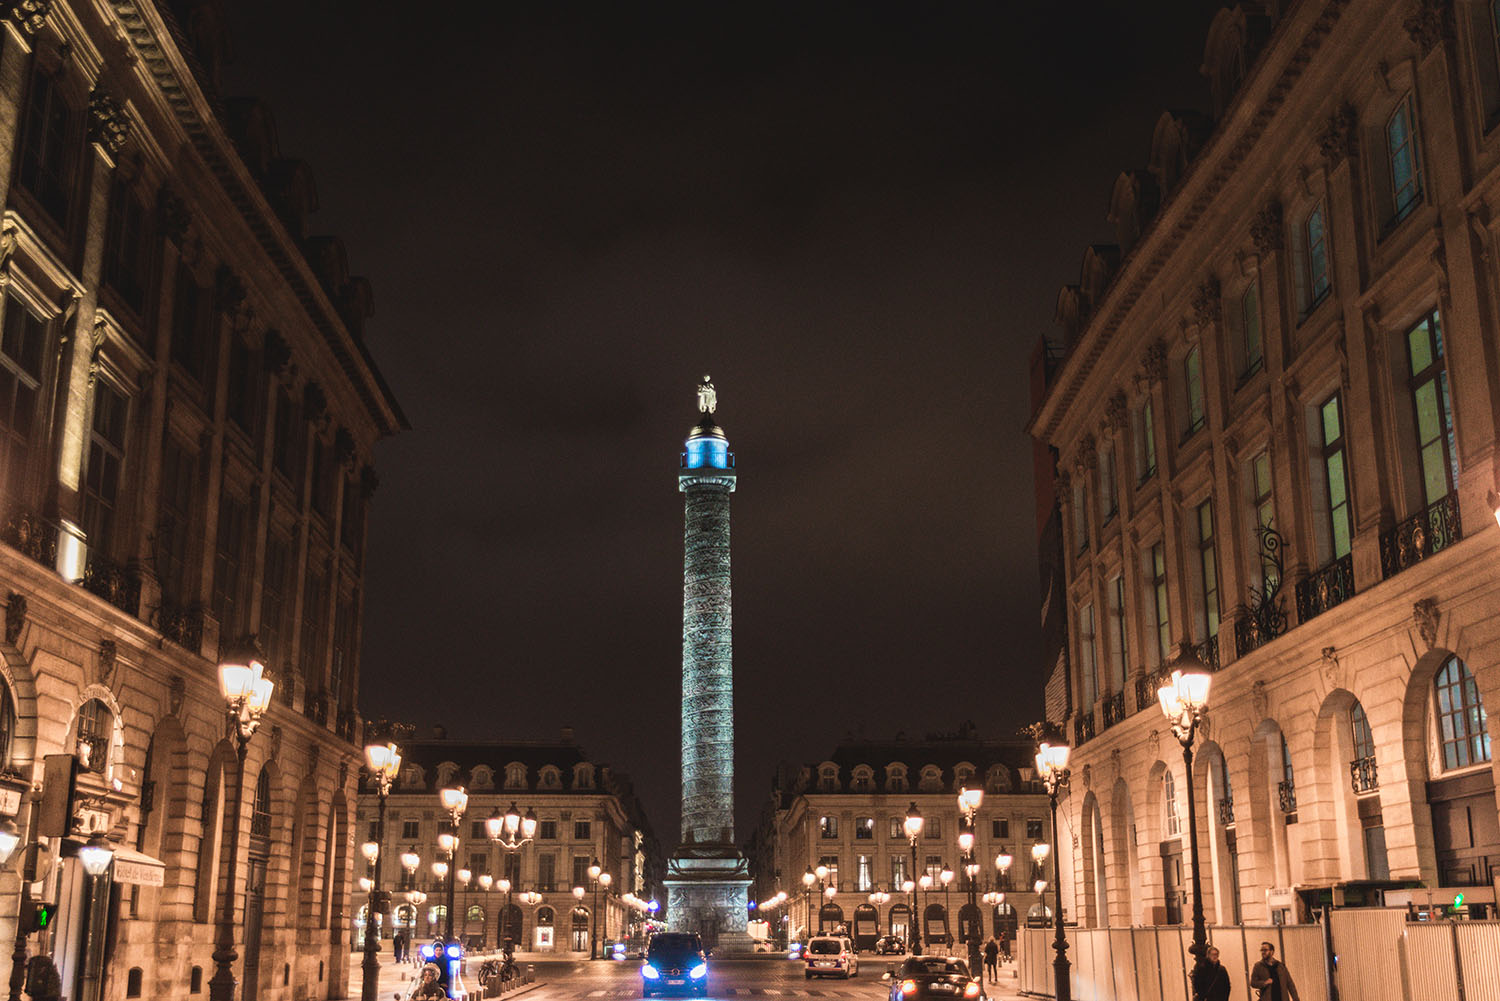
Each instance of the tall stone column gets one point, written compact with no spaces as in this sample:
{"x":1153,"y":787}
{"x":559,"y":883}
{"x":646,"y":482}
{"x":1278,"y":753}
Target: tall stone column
{"x":707,"y":878}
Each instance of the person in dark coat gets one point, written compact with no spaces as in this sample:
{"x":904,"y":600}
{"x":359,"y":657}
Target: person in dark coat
{"x":1270,"y":977}
{"x":991,"y":956}
{"x":1210,"y":979}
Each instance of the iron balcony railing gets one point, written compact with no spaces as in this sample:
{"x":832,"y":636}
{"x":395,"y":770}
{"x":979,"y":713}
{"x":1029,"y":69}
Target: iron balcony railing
{"x":1208,"y":652}
{"x":1114,"y":709}
{"x":1429,"y":531}
{"x":1226,"y":810}
{"x":1084,"y":726}
{"x":1286,"y":797}
{"x":112,"y":582}
{"x":1363,"y":775}
{"x":182,"y":625}
{"x":1324,"y":588}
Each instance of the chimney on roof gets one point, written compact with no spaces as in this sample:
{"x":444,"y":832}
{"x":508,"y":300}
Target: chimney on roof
{"x":567,"y":734}
{"x":439,"y":732}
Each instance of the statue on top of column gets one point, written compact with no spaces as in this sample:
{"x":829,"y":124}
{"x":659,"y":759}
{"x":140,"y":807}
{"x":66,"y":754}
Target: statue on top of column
{"x":708,"y":400}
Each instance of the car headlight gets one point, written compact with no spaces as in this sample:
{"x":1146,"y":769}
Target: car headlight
{"x":971,"y":990}
{"x":699,"y":972}
{"x":649,"y":972}
{"x":908,"y":987}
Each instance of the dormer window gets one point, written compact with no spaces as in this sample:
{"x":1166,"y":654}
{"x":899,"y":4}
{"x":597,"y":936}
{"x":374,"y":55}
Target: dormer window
{"x":932,"y":779}
{"x":550,"y":777}
{"x":515,"y":775}
{"x":864,"y":779}
{"x":447,"y":771}
{"x":997,"y":779}
{"x":583,"y":775}
{"x":482,"y":777}
{"x":895,"y":778}
{"x":828,"y":777}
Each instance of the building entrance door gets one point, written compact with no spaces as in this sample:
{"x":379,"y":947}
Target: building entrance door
{"x":1171,"y":880}
{"x":255,"y":899}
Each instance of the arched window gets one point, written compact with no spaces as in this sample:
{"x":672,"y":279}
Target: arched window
{"x":7,"y":724}
{"x":260,"y":813}
{"x":895,"y":778}
{"x":1171,"y":821}
{"x":1462,"y":724}
{"x":96,"y":725}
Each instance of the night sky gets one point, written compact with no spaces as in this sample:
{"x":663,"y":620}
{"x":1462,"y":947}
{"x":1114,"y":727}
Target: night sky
{"x":855,"y":217}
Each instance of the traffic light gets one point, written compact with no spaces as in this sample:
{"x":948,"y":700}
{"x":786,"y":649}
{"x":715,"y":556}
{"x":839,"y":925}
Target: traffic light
{"x":37,"y":917}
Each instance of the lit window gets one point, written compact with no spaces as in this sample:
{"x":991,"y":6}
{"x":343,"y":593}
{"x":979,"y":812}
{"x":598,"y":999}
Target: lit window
{"x":1086,"y":678}
{"x":1192,"y":371}
{"x":1172,"y":827}
{"x":828,"y":827}
{"x":1401,"y":154}
{"x":1315,"y":259}
{"x":1336,"y":475}
{"x":1434,"y":418}
{"x":1359,"y":728}
{"x":1208,"y":568}
{"x":1462,"y":725}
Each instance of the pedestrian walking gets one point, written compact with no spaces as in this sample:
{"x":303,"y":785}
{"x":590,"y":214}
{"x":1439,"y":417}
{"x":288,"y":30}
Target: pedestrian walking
{"x":1005,"y":944}
{"x":1270,"y":979}
{"x":1210,"y":979}
{"x":991,"y":956}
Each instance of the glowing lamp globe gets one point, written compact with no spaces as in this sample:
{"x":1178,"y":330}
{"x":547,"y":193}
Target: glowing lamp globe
{"x":447,"y":842}
{"x":10,"y":837}
{"x":913,"y":823}
{"x":966,"y":841}
{"x":410,"y":861}
{"x":1040,"y":851}
{"x":503,"y":885}
{"x":454,"y":799}
{"x":1003,"y":861}
{"x":96,"y":856}
{"x":370,"y":850}
{"x":485,"y":881}
{"x":809,"y":878}
{"x":440,"y":869}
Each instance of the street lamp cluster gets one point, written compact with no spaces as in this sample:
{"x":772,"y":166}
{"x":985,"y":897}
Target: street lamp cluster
{"x":1183,"y":695}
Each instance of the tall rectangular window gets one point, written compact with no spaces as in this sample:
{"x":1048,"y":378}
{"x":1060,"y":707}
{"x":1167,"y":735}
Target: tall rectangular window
{"x":1088,"y":690}
{"x":1208,"y":569}
{"x":1109,"y":501}
{"x":286,"y":451}
{"x":242,"y":397}
{"x":1401,"y":158}
{"x":101,"y":482}
{"x":898,"y":872}
{"x":127,"y":246}
{"x":832,"y":862}
{"x":1336,"y":475}
{"x":174,"y":520}
{"x":1265,"y":513}
{"x":864,"y":828}
{"x":1145,"y":442}
{"x":322,"y":477}
{"x":49,"y":147}
{"x":1162,"y":625}
{"x":1314,"y":259}
{"x":21,"y":350}
{"x":1192,"y":373}
{"x":191,"y":320}
{"x":1080,"y":517}
{"x":1118,"y":652}
{"x":581,"y":870}
{"x":274,"y":603}
{"x":342,"y":675}
{"x":1434,"y":419}
{"x":229,"y":566}
{"x":546,"y":870}
{"x":1252,"y":359}
{"x":314,"y":650}
{"x":828,"y":828}
{"x":864,"y":878}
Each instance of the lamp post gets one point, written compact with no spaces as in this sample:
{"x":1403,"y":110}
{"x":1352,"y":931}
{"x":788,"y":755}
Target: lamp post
{"x":945,"y":877}
{"x":383,"y":759}
{"x":1183,"y":698}
{"x":595,"y":871}
{"x":95,"y":857}
{"x":510,"y":831}
{"x":1052,"y":766}
{"x":486,"y":881}
{"x":913,"y":828}
{"x":969,"y":801}
{"x":504,"y":886}
{"x":925,"y":882}
{"x":454,"y":800}
{"x":808,"y":879}
{"x":1002,"y":880}
{"x":247,"y":696}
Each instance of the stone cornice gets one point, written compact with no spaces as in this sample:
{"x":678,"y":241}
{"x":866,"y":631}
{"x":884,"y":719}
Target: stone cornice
{"x":1271,"y":83}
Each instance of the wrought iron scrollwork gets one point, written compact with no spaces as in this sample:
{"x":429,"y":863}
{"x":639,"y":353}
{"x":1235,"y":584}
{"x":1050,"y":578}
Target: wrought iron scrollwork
{"x":1430,"y":530}
{"x":1265,"y":619}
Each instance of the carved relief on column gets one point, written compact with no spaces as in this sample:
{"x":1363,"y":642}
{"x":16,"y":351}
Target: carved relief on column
{"x":1154,"y":363}
{"x":1266,"y":229}
{"x":28,"y":15}
{"x":1426,"y":617}
{"x":108,"y":127}
{"x":1114,"y":415}
{"x":1339,"y":139}
{"x":15,"y":617}
{"x":1088,"y":456}
{"x":1431,"y":22}
{"x":1207,"y":302}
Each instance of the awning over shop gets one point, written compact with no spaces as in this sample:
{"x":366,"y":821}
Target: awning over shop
{"x":138,"y":868}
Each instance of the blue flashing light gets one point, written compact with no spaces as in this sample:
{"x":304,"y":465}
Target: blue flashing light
{"x":653,"y":906}
{"x":713,"y":452}
{"x":649,"y":972}
{"x":454,"y":951}
{"x":699,"y":972}
{"x":751,"y":905}
{"x":426,"y":952}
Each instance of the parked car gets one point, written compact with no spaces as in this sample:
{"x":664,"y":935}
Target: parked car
{"x":675,"y":964}
{"x":889,"y":945}
{"x":927,"y":978}
{"x":830,"y":956}
{"x":764,"y":945}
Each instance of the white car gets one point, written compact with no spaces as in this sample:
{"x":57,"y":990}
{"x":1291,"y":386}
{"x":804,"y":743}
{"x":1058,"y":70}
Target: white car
{"x":830,"y":956}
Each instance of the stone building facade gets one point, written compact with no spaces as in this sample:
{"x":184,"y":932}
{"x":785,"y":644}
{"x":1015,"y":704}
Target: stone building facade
{"x":187,"y":419}
{"x":1275,"y":425}
{"x":846,"y":813}
{"x":585,"y":812}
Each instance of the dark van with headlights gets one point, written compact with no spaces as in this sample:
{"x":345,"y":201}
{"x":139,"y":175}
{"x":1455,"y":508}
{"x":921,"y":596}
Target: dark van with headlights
{"x":674,"y":964}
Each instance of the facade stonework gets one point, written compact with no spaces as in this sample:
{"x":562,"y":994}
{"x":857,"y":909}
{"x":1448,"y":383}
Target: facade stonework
{"x":846,"y":812}
{"x":164,"y":490}
{"x":585,"y":813}
{"x":1304,"y":491}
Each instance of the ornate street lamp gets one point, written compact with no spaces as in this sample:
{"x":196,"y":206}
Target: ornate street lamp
{"x":594,"y":872}
{"x":1052,"y":767}
{"x":969,"y":801}
{"x":383,"y":761}
{"x":455,"y":801}
{"x":946,"y":877}
{"x":1184,"y":697}
{"x":913,"y":828}
{"x":247,"y":696}
{"x":808,"y":879}
{"x":504,"y":887}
